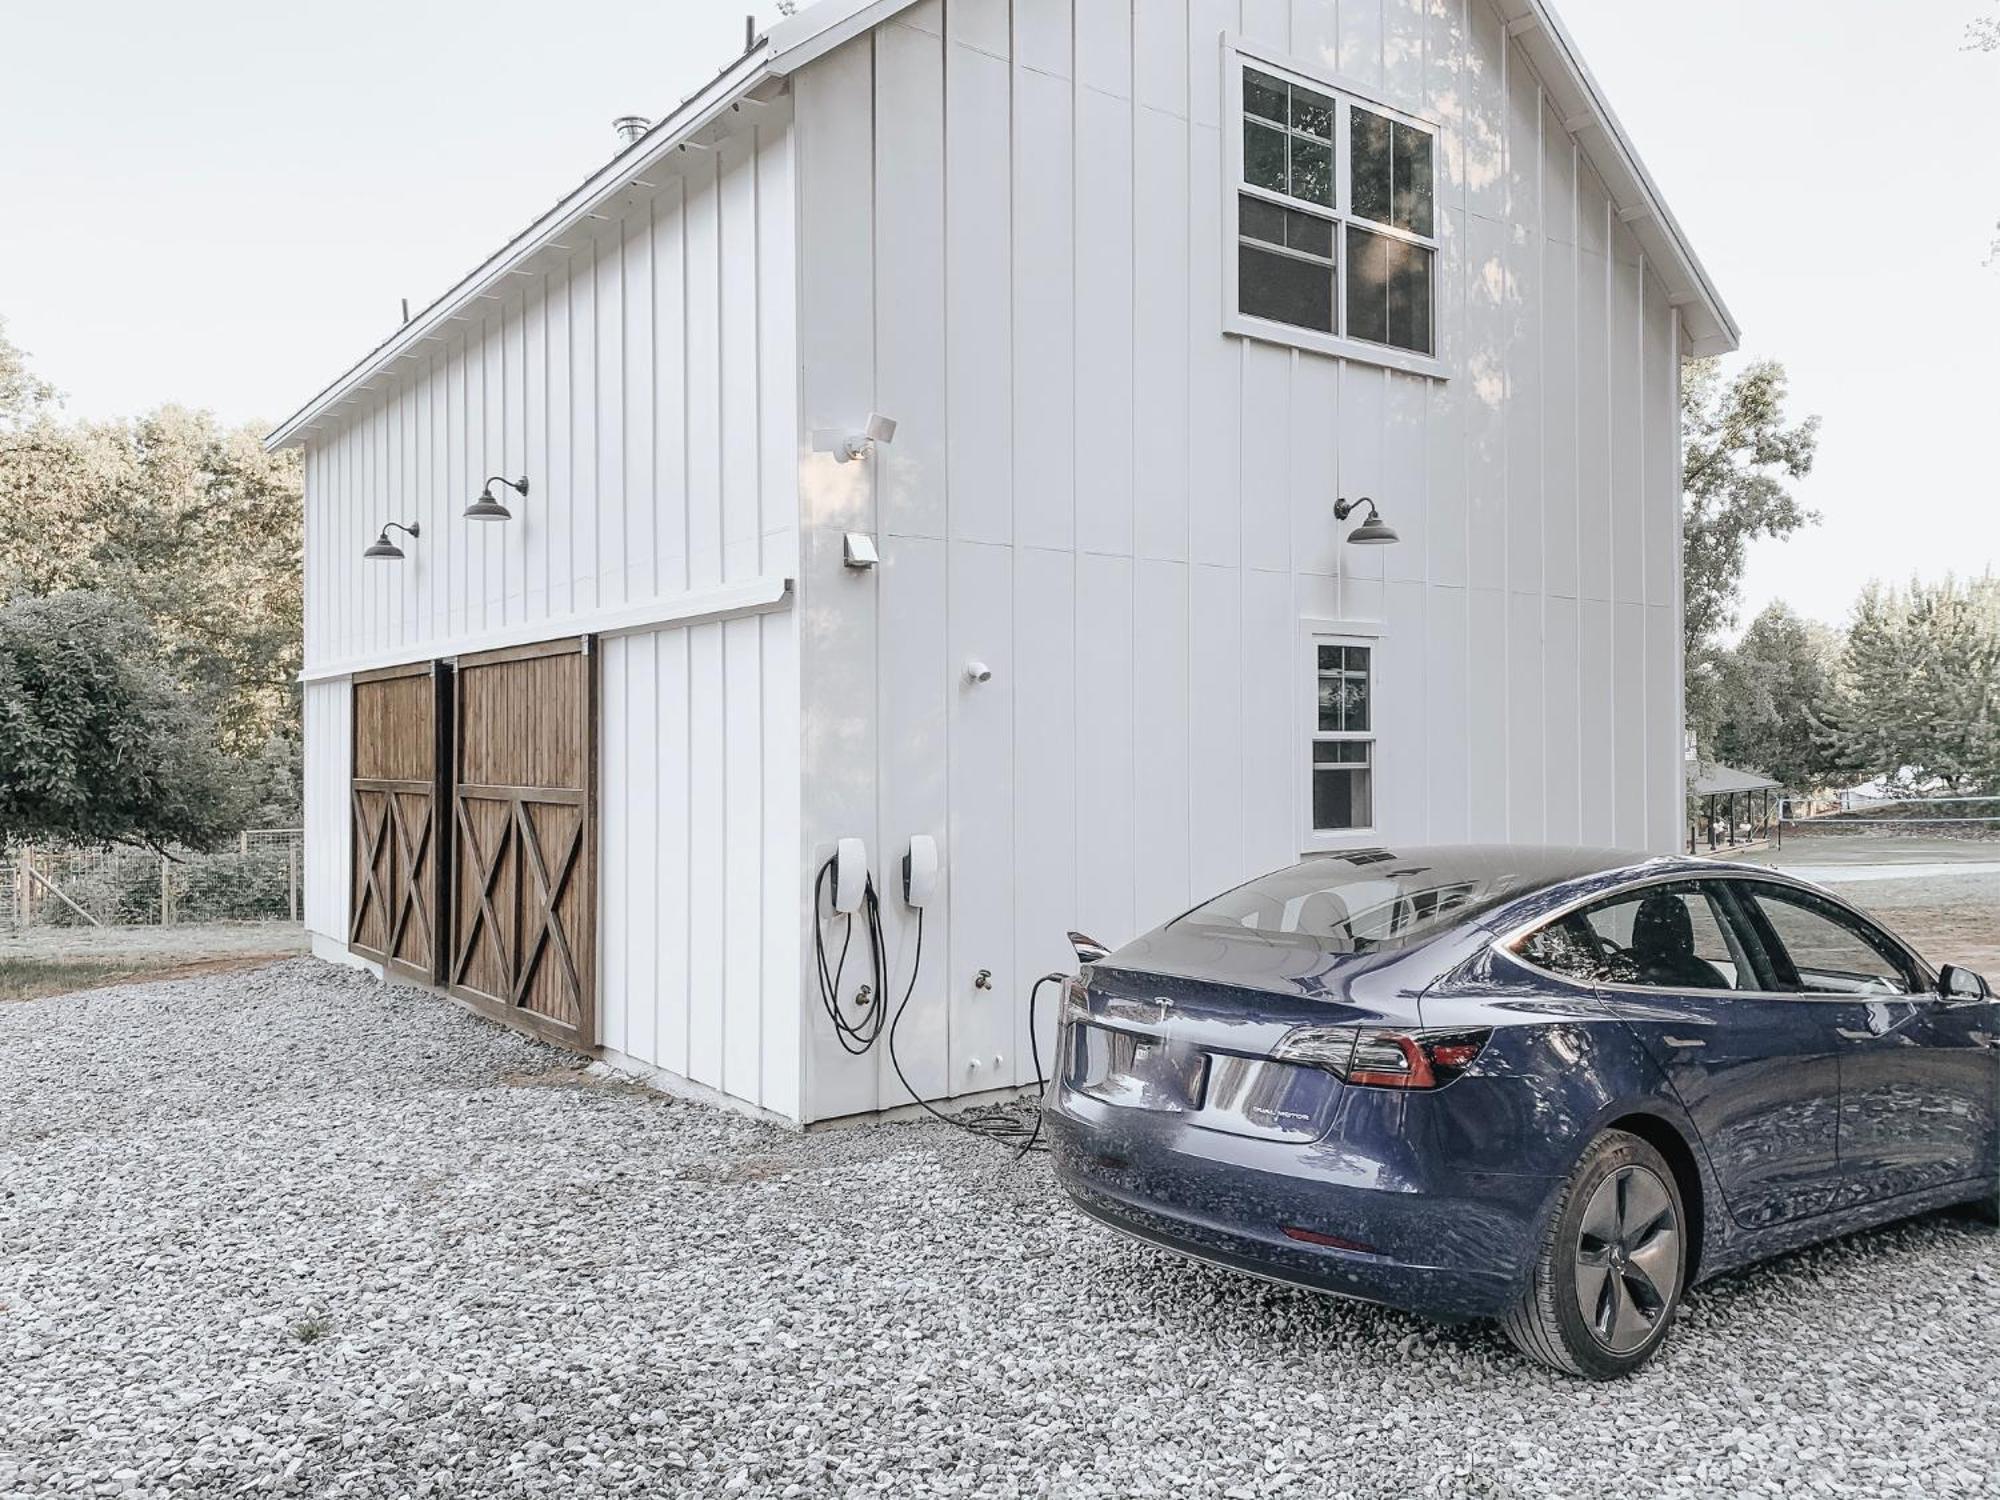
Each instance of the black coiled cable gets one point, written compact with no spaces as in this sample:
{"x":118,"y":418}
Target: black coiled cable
{"x":860,"y":1035}
{"x":1022,"y":1136}
{"x":856,"y":1036}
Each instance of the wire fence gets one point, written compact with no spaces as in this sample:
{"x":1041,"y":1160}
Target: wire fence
{"x":254,"y":878}
{"x":1938,"y":817}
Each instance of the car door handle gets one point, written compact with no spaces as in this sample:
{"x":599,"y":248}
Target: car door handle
{"x":1856,"y":1036}
{"x":1684,"y":1041}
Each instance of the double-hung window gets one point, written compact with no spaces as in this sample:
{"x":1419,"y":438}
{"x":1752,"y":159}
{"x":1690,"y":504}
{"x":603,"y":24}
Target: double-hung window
{"x":1334,"y":217}
{"x":1343,"y":737}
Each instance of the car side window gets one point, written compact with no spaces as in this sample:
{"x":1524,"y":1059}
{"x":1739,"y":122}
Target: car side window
{"x":1663,"y":937}
{"x":1825,"y":950}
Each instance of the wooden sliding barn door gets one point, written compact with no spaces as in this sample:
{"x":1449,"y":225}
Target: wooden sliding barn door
{"x":397,"y":866}
{"x":524,"y":890}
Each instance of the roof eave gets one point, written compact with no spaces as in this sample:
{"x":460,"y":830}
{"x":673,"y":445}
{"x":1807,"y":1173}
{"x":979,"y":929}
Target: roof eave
{"x":1706,"y":319}
{"x":801,"y":38}
{"x":668,"y":137}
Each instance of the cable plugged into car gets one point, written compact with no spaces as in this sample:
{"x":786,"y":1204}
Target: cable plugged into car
{"x":853,"y":896}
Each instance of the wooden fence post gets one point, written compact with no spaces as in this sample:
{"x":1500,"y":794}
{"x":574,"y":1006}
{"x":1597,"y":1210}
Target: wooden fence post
{"x":292,"y":877}
{"x":24,"y":888}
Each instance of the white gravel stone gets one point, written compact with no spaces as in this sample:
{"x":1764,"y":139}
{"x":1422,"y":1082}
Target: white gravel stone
{"x":293,"y":1232}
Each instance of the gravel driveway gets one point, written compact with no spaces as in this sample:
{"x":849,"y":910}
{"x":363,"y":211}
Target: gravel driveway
{"x":290,"y":1230}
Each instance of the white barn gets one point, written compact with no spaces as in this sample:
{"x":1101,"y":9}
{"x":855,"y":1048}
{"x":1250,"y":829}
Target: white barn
{"x":1146,"y":288}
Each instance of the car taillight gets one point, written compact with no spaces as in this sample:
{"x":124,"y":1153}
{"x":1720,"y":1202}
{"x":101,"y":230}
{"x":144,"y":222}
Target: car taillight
{"x":1382,"y":1058}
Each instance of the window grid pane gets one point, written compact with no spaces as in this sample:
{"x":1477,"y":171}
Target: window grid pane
{"x":1288,"y":131}
{"x":1342,"y":768}
{"x":1344,"y":690}
{"x":1388,"y":290}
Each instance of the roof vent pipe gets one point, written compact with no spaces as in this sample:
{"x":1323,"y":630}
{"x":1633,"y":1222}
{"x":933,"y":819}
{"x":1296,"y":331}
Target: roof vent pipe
{"x":631,"y":127}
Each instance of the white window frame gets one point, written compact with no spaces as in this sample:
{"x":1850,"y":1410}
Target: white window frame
{"x":1312,"y":635}
{"x":1236,"y":55}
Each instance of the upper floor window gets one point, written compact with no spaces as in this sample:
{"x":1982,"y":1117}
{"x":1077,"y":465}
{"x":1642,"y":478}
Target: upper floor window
{"x":1334,"y":217}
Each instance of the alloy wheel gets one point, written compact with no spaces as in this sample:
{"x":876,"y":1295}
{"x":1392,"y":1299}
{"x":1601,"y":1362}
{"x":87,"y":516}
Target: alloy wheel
{"x":1628,"y":1258}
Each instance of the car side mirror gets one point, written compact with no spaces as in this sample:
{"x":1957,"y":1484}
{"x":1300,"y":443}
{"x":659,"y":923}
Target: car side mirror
{"x":1088,"y":949}
{"x":1956,"y":983}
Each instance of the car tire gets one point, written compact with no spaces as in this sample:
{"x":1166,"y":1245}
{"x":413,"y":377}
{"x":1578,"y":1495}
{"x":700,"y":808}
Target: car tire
{"x":1608,"y":1276}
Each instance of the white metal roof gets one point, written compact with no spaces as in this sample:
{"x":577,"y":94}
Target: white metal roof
{"x":1715,"y":779}
{"x":820,"y":28}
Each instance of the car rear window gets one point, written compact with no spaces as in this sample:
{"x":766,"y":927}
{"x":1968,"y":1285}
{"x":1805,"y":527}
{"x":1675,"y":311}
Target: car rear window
{"x":1364,"y":901}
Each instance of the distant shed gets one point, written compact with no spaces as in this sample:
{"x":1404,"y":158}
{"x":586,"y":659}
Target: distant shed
{"x":1731,"y":808}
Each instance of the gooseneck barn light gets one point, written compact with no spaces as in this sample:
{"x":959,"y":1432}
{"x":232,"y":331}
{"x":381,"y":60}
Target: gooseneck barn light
{"x":1373,"y":532}
{"x":486,"y":508}
{"x":384,"y":550}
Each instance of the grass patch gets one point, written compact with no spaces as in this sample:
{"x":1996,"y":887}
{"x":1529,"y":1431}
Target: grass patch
{"x":311,"y":1330}
{"x":32,"y":978}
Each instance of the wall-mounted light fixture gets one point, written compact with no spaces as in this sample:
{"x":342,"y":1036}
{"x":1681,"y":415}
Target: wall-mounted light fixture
{"x":1373,"y":532}
{"x":384,"y":550}
{"x":486,"y":508}
{"x":848,"y":446}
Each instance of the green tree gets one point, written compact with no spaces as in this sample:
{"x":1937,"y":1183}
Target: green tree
{"x":190,"y":520}
{"x":98,"y":742}
{"x":22,"y":396}
{"x":1773,"y":687}
{"x":1918,"y":692}
{"x":1740,"y":454}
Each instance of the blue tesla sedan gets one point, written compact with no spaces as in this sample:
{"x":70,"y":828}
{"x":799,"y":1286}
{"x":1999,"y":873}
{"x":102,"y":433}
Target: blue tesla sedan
{"x":1554,"y":1087}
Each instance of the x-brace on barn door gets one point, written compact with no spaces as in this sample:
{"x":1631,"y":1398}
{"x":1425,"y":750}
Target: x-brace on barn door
{"x":524,"y":900}
{"x":398,"y":865}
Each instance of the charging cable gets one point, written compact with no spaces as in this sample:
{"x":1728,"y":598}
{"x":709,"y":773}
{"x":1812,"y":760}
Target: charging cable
{"x":1021,"y":1137}
{"x":859,"y":1034}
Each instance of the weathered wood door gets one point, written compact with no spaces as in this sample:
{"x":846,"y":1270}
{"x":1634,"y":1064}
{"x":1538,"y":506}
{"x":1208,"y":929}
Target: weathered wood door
{"x":524,"y":896}
{"x":397,"y":866}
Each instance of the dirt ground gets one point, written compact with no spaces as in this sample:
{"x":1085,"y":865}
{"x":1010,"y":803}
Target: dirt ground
{"x":1942,"y":895}
{"x":40,"y":961}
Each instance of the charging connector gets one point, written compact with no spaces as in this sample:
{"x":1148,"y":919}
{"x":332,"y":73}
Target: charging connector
{"x":920,"y":871}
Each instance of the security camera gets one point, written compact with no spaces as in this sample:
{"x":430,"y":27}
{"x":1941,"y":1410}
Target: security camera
{"x":848,"y":446}
{"x":978,"y":671}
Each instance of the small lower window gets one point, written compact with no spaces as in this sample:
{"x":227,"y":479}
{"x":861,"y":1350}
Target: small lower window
{"x":1343,"y":739}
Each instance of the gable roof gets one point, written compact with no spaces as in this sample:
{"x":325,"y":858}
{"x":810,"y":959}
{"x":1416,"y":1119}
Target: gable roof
{"x":817,"y":30}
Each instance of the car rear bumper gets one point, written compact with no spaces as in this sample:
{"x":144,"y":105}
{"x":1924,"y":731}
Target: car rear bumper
{"x":1442,"y":1244}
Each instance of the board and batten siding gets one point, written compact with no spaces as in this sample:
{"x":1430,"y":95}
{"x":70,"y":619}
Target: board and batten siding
{"x":700,"y":906}
{"x":644,"y":378}
{"x":1012,"y":244}
{"x":329,"y":816}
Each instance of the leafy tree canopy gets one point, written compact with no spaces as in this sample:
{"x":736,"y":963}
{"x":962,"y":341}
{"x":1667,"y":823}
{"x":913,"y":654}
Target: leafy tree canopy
{"x":190,"y":520}
{"x":21,"y":394}
{"x":1769,"y":686}
{"x":1739,"y":453}
{"x":98,"y":741}
{"x":1917,"y":698}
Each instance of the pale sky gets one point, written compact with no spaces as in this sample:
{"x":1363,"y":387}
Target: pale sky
{"x":220,"y":202}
